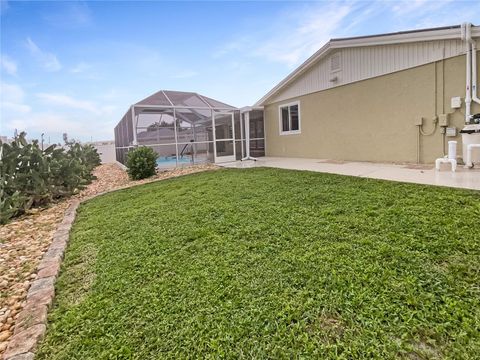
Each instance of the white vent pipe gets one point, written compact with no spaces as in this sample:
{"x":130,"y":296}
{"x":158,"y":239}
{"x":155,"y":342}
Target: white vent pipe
{"x":452,"y":150}
{"x":474,"y":72}
{"x":471,"y":68}
{"x":468,"y":84}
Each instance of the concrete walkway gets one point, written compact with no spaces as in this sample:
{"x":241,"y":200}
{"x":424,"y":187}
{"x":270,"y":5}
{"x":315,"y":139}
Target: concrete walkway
{"x":420,"y":174}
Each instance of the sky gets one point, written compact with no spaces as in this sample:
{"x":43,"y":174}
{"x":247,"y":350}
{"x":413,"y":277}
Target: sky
{"x":76,"y":67}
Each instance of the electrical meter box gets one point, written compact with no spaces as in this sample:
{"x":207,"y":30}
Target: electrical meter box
{"x":456,"y":102}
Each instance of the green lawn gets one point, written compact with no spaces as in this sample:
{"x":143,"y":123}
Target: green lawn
{"x":268,"y":263}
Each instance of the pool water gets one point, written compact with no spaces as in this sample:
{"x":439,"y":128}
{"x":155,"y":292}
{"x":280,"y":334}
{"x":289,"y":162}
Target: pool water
{"x":171,"y":161}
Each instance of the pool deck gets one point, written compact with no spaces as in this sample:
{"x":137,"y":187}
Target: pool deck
{"x":420,"y":174}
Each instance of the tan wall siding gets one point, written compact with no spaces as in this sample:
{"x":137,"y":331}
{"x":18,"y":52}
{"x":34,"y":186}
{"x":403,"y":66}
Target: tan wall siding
{"x":373,"y":120}
{"x":360,"y":63}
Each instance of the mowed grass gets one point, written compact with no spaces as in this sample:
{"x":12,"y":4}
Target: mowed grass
{"x":271,"y":264}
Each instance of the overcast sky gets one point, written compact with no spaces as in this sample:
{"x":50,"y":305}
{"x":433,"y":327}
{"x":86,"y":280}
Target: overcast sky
{"x":76,"y":67}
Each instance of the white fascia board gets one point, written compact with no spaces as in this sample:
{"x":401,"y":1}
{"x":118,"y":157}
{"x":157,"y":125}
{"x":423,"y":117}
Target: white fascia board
{"x":442,"y":34}
{"x":292,"y":76}
{"x":181,"y":107}
{"x":250,"y":108}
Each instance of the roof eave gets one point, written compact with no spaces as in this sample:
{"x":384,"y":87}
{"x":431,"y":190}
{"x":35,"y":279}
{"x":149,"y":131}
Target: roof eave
{"x":445,"y":33}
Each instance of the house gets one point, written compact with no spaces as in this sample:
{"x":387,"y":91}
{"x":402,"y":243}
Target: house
{"x":395,"y":97}
{"x":106,"y":150}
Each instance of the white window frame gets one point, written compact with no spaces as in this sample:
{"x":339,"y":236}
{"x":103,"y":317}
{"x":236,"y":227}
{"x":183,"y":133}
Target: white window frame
{"x":280,"y":122}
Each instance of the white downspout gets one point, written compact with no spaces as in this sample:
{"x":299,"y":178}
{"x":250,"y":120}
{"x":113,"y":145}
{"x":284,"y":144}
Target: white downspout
{"x":466,"y":35}
{"x":474,"y":72}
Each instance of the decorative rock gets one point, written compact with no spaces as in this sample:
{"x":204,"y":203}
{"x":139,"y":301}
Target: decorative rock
{"x":50,"y":270}
{"x":63,"y":237}
{"x":42,"y":297}
{"x":4,"y":335}
{"x":25,"y":341}
{"x":31,"y":315}
{"x":58,"y":244}
{"x":41,"y":284}
{"x":53,"y":254}
{"x":47,"y":262}
{"x":26,"y":356}
{"x":5,"y":316}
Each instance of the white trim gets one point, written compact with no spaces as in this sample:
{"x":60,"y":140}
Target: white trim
{"x":163,"y":92}
{"x":406,"y":37}
{"x":280,"y":119}
{"x":226,"y":158}
{"x":183,"y":107}
{"x":134,"y":125}
{"x":250,"y":108}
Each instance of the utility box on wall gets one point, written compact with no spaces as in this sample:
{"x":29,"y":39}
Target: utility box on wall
{"x":451,"y":131}
{"x":456,"y":102}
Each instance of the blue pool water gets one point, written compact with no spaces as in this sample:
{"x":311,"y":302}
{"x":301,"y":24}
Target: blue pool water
{"x":171,"y":161}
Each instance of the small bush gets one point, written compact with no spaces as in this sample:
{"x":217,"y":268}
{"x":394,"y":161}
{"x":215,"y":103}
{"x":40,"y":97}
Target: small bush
{"x":141,"y":163}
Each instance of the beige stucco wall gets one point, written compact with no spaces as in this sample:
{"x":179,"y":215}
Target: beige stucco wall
{"x":373,"y":120}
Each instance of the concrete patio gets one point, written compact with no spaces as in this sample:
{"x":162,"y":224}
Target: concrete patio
{"x":420,"y":174}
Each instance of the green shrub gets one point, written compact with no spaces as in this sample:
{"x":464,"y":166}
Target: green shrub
{"x":141,"y":163}
{"x":30,"y":176}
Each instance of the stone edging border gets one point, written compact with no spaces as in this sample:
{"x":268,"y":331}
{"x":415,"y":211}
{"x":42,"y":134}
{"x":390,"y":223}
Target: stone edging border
{"x":31,"y":322}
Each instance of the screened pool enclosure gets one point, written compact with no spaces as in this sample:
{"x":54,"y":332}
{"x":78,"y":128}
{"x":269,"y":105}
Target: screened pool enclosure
{"x":186,"y":128}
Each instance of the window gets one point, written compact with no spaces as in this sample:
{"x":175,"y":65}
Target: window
{"x":289,"y":118}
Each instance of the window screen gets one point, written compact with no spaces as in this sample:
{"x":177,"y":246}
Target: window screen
{"x":285,"y":119}
{"x":290,"y":118}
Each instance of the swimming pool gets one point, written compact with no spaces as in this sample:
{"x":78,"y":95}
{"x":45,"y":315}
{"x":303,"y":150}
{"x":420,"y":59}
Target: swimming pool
{"x":170,"y":161}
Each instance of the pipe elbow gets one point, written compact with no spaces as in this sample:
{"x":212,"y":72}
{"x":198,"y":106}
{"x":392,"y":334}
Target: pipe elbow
{"x":468,"y":33}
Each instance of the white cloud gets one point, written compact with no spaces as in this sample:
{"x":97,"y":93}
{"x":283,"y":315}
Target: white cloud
{"x":67,"y":101}
{"x":404,"y":7}
{"x":315,"y":29}
{"x":69,"y":14}
{"x":80,"y":68}
{"x":12,"y":99}
{"x":55,"y":124}
{"x":48,"y":60}
{"x":15,"y":108}
{"x":294,"y":35}
{"x":8,"y":65}
{"x":11,"y":92}
{"x":186,"y":74}
{"x":48,"y":122}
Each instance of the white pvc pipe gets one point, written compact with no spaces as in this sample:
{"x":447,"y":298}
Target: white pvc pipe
{"x":468,"y":85}
{"x":470,"y":148}
{"x":474,"y":72}
{"x":452,"y":150}
{"x":247,"y":134}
